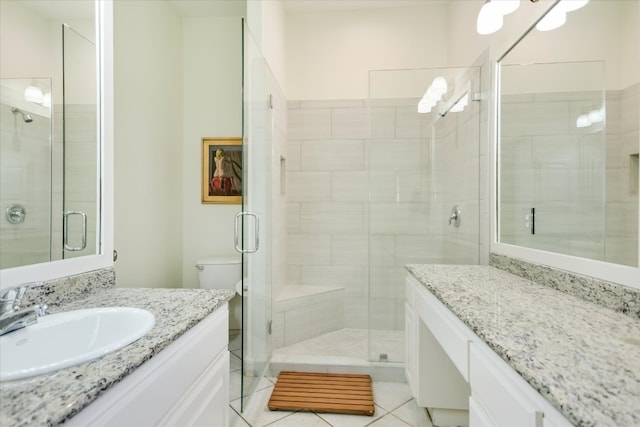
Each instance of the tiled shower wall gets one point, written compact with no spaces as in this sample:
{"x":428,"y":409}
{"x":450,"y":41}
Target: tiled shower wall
{"x":583,"y":167}
{"x":327,"y":195}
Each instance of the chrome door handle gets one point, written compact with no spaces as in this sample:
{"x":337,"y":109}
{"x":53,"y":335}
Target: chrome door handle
{"x":256,"y":244}
{"x":83,"y":244}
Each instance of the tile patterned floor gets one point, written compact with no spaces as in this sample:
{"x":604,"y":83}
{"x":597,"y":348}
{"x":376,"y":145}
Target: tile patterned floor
{"x":395,"y":407}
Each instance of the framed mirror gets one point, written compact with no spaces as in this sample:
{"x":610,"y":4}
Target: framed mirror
{"x":568,"y":133}
{"x":55,"y":138}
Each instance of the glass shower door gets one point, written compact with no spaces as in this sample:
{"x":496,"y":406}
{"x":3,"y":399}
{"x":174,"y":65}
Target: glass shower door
{"x":456,"y":166}
{"x":78,"y":216}
{"x":421,"y":164}
{"x":256,"y":218}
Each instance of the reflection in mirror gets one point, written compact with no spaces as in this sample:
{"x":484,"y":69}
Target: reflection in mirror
{"x":48,"y":131}
{"x":568,"y":152}
{"x":25,"y":162}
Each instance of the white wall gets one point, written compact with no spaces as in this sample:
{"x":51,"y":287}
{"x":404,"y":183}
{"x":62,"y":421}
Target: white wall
{"x":212,"y":106}
{"x":24,"y":53}
{"x":148,"y":149}
{"x":329,"y":54}
{"x":267,"y":23}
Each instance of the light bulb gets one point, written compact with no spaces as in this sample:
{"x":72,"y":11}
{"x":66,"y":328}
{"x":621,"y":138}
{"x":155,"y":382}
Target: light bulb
{"x":46,"y":100}
{"x":439,"y":86}
{"x":583,"y":121}
{"x":460,"y":105}
{"x":489,"y":19}
{"x":33,"y":94}
{"x":554,"y":19}
{"x":596,"y":116}
{"x":425,"y":106}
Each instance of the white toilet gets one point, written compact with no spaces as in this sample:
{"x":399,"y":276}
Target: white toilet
{"x":223,"y":273}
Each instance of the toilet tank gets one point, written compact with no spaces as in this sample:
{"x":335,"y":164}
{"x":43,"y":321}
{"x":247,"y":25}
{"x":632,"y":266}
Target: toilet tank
{"x":219,"y":272}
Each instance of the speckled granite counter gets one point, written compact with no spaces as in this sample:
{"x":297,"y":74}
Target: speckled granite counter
{"x":583,"y":358}
{"x":51,"y":399}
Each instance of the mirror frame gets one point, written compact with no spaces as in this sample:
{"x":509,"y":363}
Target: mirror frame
{"x":616,"y":273}
{"x":52,"y":270}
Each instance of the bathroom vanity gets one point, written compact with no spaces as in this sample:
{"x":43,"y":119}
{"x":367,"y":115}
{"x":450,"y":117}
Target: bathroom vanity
{"x":517,"y":353}
{"x":177,"y":374}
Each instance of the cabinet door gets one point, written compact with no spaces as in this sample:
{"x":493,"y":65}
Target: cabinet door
{"x":500,"y":391}
{"x":478,"y":416}
{"x":206,"y":403}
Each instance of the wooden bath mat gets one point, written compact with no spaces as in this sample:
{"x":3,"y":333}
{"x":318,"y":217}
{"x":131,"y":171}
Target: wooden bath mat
{"x":318,"y":392}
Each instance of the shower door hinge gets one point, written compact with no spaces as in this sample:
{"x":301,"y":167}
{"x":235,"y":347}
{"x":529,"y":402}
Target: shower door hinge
{"x":269,"y":326}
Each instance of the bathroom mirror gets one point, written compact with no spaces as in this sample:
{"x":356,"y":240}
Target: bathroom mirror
{"x":52,"y":138}
{"x":568,"y":127}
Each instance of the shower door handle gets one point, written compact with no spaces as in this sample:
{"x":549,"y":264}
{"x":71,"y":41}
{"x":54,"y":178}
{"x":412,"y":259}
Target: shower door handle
{"x":256,"y":230}
{"x":83,"y":243}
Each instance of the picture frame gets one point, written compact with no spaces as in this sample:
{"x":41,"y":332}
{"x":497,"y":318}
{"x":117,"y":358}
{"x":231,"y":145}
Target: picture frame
{"x":221,"y":170}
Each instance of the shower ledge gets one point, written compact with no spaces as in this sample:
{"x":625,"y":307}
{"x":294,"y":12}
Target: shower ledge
{"x":300,"y":291}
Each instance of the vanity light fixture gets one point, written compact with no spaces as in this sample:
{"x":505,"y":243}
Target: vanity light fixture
{"x":491,"y":16}
{"x":460,"y":105}
{"x":556,"y":18}
{"x":596,"y":116}
{"x":558,"y":15}
{"x":583,"y":121}
{"x":593,"y":116}
{"x":437,"y":88}
{"x":33,"y":94}
{"x":46,"y":100}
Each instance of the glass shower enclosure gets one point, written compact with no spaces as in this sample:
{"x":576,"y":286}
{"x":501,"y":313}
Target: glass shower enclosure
{"x":424,"y":175}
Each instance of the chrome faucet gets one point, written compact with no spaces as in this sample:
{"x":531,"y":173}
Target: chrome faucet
{"x":12,"y":317}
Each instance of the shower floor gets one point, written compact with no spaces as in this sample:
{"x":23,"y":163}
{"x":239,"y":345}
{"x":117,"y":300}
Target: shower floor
{"x":343,"y":351}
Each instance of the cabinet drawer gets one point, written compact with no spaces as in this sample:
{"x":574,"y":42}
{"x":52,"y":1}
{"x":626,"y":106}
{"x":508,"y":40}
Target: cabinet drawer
{"x":448,"y":330}
{"x":494,"y":389}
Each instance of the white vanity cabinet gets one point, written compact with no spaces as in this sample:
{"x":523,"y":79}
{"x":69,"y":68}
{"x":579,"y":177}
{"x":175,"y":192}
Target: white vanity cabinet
{"x":447,"y":362}
{"x":186,"y":384}
{"x":433,"y":377}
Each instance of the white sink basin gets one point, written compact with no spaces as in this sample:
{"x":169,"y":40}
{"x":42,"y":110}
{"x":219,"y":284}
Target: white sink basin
{"x":61,"y":340}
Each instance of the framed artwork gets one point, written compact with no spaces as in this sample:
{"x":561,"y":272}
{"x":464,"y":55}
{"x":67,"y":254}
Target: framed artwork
{"x":222,"y":170}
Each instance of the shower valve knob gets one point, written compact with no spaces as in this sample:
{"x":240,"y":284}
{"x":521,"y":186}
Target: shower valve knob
{"x":15,"y":214}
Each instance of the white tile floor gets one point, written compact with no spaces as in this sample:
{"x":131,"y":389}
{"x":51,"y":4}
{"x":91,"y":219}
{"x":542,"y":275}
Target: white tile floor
{"x":395,"y":406}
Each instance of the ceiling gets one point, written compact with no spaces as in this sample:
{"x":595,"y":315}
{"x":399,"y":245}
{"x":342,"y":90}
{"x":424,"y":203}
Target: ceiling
{"x":84,"y":8}
{"x":332,"y":5}
{"x":237,"y":7}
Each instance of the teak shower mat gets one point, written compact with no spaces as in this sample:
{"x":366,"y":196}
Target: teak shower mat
{"x":318,"y":392}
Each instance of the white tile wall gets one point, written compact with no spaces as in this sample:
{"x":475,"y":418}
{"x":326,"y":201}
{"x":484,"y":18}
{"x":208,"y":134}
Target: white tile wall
{"x":303,"y":312}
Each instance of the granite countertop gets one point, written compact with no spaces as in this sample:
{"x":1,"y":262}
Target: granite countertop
{"x":583,"y":358}
{"x":53,"y":398}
